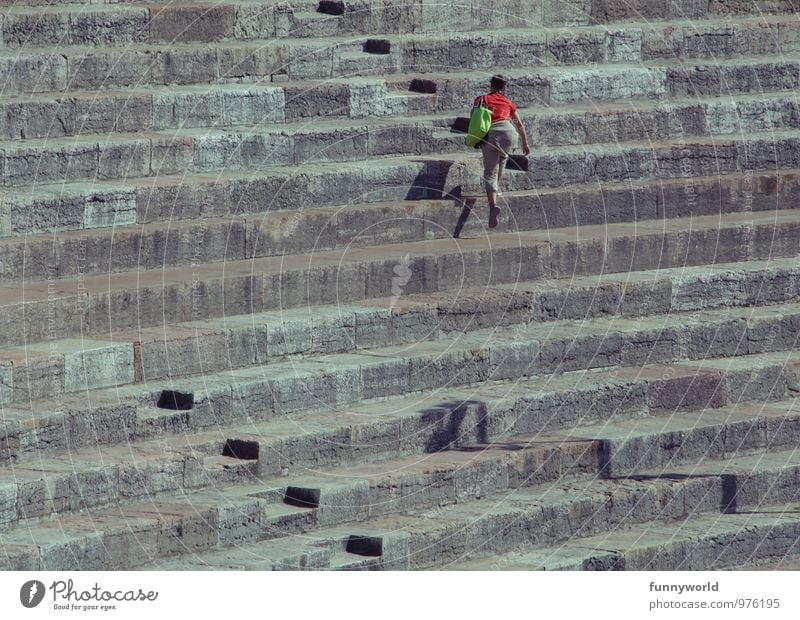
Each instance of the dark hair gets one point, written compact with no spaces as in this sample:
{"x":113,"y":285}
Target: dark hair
{"x":498,"y":82}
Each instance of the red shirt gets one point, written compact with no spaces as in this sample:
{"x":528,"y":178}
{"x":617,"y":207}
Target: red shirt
{"x":501,"y":106}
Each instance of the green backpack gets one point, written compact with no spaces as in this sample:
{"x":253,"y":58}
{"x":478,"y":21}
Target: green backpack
{"x":480,"y":122}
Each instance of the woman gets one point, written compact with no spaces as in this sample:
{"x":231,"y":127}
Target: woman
{"x":500,"y":141}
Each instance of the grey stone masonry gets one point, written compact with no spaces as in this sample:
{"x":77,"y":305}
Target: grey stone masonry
{"x":255,"y":313}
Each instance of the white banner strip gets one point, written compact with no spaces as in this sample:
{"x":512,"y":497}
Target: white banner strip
{"x":423,"y":595}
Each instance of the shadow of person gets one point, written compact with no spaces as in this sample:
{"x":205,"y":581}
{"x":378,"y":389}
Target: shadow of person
{"x":466,"y":209}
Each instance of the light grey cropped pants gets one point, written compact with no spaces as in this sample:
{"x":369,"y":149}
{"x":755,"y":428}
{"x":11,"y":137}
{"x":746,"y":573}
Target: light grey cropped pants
{"x":499,"y":142}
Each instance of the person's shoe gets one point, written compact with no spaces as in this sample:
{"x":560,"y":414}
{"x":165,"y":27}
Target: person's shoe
{"x":493,"y":213}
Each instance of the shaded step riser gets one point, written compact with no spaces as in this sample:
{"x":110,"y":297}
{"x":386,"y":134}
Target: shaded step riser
{"x":150,"y":533}
{"x":505,"y":529}
{"x":184,"y":22}
{"x":230,"y":106}
{"x":72,"y":68}
{"x":214,"y":152}
{"x":236,"y":238}
{"x":253,"y":399}
{"x":290,"y":221}
{"x":442,"y":427}
{"x":74,"y":308}
{"x":361,"y":182}
{"x":34,"y":372}
{"x":711,"y":542}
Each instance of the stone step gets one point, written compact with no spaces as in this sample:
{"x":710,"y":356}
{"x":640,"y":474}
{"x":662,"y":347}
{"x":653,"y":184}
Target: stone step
{"x":328,"y":38}
{"x":432,"y":477}
{"x":431,"y":16}
{"x":562,"y":514}
{"x":315,"y":208}
{"x":120,"y":537}
{"x":456,"y":175}
{"x":342,"y":379}
{"x":120,"y":110}
{"x":655,"y":79}
{"x":107,"y":471}
{"x":760,"y":539}
{"x":218,"y":141}
{"x":107,"y":111}
{"x":190,"y":20}
{"x":92,"y":305}
{"x":85,"y":67}
{"x":34,"y":371}
{"x":249,"y":396}
{"x":98,"y":232}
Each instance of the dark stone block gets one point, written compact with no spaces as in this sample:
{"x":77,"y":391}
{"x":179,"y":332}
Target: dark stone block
{"x":365,"y":545}
{"x":302,"y":497}
{"x":378,"y":46}
{"x":241,"y":449}
{"x":331,"y":7}
{"x":418,"y":85}
{"x":175,"y":401}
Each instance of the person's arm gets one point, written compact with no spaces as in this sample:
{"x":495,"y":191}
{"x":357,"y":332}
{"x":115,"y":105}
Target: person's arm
{"x":521,"y":129}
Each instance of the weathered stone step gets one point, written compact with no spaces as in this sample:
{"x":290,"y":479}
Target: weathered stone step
{"x":255,"y":108}
{"x":284,"y":188}
{"x":439,"y":47}
{"x":641,"y":446}
{"x":304,"y":210}
{"x":98,"y":231}
{"x":569,"y":514}
{"x":252,"y":140}
{"x":210,"y":21}
{"x":251,"y":513}
{"x":259,"y":393}
{"x":593,"y":84}
{"x":270,"y":555}
{"x":760,"y":539}
{"x":371,"y":15}
{"x":562,"y":515}
{"x":253,"y":395}
{"x":36,"y":371}
{"x":122,"y":537}
{"x":107,"y":111}
{"x":99,"y":475}
{"x":133,"y":300}
{"x":447,"y":417}
{"x":84,"y":67}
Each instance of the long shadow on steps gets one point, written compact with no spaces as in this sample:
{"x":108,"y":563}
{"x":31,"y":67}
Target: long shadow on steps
{"x":467,"y":206}
{"x":431,"y":181}
{"x":446,"y":422}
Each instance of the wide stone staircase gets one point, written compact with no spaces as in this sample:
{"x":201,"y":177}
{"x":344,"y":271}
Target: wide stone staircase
{"x":252,"y":316}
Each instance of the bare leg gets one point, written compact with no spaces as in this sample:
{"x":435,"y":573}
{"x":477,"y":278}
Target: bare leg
{"x":491,"y":197}
{"x":493,"y":159}
{"x":500,"y":167}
